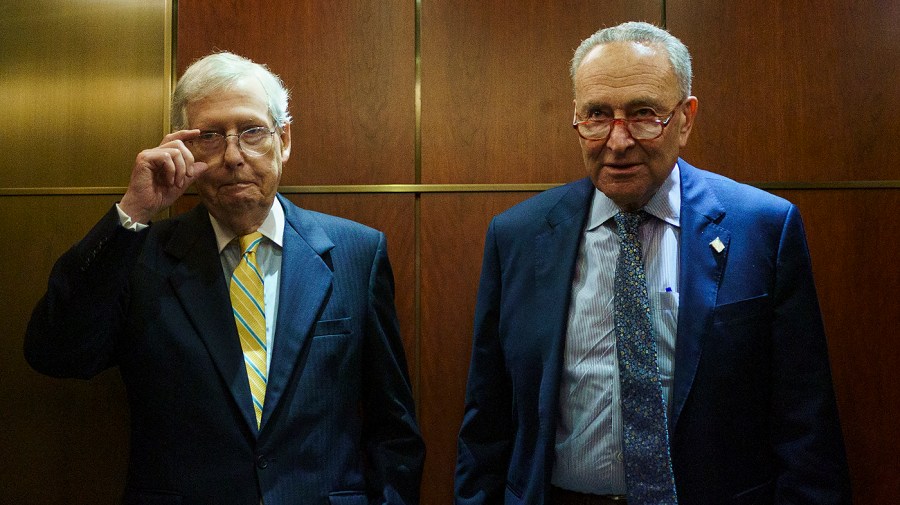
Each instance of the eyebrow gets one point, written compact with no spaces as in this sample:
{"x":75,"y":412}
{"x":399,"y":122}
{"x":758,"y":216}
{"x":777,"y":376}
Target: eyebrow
{"x":631,"y":105}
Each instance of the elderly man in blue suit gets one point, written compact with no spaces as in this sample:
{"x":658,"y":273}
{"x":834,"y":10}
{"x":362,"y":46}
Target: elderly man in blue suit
{"x":258,"y":341}
{"x":649,"y":334}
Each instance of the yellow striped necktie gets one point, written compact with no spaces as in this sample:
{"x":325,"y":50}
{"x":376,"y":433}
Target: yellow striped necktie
{"x":248,"y":304}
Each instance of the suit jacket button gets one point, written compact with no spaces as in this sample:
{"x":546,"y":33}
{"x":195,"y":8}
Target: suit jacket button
{"x":262,"y":462}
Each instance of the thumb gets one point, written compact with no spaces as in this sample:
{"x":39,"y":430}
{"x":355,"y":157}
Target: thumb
{"x":197,"y":168}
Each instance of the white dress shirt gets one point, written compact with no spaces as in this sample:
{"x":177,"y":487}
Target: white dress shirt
{"x":589,"y":450}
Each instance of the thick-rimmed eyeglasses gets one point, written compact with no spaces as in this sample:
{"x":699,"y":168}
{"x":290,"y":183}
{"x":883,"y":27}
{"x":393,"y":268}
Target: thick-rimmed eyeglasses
{"x":256,"y":141}
{"x":644,"y":128}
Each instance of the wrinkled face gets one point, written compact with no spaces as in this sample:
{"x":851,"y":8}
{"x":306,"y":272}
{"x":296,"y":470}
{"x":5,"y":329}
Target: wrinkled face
{"x":237,"y":184}
{"x":631,"y":80}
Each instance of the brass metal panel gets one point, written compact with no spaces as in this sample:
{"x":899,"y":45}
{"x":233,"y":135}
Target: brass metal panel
{"x":63,"y":441}
{"x":84,"y":87}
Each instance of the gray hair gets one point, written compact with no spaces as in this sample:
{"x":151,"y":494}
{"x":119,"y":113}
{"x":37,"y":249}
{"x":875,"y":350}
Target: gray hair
{"x":644,"y":33}
{"x":220,"y":71}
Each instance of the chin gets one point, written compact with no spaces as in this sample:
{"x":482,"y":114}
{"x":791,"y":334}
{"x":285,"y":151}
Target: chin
{"x":623,"y":199}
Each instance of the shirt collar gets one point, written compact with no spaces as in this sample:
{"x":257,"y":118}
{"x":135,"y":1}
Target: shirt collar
{"x":665,"y":203}
{"x":272,"y":227}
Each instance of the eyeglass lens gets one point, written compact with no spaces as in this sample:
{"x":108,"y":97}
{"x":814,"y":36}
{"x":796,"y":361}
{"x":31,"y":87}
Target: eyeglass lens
{"x":639,"y":129}
{"x":256,"y":141}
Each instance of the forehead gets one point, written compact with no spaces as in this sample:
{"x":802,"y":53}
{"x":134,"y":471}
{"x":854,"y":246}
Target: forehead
{"x":620,"y":73}
{"x":243,"y":102}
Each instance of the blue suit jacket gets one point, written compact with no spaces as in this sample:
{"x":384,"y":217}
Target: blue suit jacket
{"x":338,"y":423}
{"x":753,"y":412}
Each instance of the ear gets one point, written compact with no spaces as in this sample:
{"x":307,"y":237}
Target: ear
{"x":285,"y":142}
{"x":688,"y":112}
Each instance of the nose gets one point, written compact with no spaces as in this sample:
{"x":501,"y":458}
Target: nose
{"x":619,"y":138}
{"x":233,"y":155}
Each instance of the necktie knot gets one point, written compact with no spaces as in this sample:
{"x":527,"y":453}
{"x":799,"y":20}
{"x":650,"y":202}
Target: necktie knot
{"x":250,"y":242}
{"x":627,"y":223}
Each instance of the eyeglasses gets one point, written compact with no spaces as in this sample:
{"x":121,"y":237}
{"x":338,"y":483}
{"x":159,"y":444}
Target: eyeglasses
{"x":639,"y":128}
{"x":256,"y":141}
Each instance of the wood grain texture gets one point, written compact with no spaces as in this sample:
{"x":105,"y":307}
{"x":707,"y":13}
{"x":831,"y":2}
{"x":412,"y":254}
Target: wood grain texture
{"x":496,"y":93}
{"x":854,"y":251}
{"x":802,"y":91}
{"x":350,"y":67}
{"x":453,"y":230}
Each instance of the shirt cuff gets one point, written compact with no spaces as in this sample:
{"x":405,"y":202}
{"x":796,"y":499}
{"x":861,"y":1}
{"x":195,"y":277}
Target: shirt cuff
{"x":126,"y":221}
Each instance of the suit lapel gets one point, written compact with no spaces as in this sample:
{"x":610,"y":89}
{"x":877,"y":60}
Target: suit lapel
{"x":555,"y":252}
{"x":200,"y":286}
{"x":556,"y":247}
{"x":306,"y":281}
{"x":704,"y":251}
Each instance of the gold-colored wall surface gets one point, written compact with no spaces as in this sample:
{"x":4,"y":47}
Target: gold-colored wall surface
{"x":84,"y":86}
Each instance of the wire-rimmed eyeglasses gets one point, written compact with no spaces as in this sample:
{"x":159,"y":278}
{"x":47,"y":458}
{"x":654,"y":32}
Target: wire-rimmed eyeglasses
{"x":255,"y":141}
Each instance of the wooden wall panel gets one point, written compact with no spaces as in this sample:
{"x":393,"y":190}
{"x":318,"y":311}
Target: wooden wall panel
{"x":350,"y":67}
{"x":496,"y":93}
{"x":453,"y":229}
{"x":63,"y":441}
{"x":802,"y":91}
{"x":854,"y":251}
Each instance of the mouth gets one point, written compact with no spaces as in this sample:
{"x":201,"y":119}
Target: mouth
{"x":619,"y":166}
{"x":237,"y":187}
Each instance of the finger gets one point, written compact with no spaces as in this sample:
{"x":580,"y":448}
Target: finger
{"x":163,"y":168}
{"x":179,"y":165}
{"x":176,"y":140}
{"x":180,"y":135}
{"x":197,"y":169}
{"x":166,"y":164}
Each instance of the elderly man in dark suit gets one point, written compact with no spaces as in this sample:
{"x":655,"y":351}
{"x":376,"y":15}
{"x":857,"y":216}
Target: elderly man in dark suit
{"x":649,"y":334}
{"x":258,"y":341}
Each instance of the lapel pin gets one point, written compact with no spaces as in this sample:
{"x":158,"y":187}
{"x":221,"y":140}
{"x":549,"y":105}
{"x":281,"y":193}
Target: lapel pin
{"x":717,"y":245}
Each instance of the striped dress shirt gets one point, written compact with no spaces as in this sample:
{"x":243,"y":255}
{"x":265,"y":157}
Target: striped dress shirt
{"x":589,"y":451}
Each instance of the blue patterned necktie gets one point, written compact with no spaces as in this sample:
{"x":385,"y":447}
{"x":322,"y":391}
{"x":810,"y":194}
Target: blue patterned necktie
{"x":648,"y":465}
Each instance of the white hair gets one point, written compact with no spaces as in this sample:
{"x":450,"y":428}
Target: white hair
{"x":219,"y":71}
